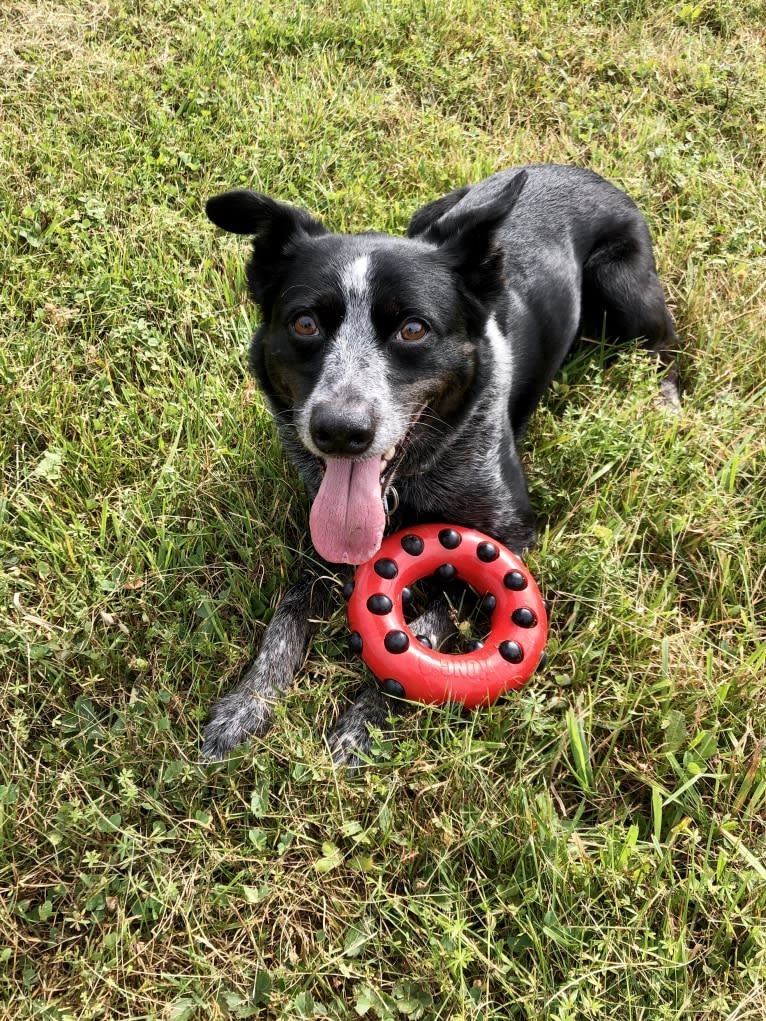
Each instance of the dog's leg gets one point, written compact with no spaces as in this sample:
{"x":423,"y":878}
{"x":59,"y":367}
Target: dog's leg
{"x":351,"y":739}
{"x":623,"y":298}
{"x":666,"y":353}
{"x":246,"y":711}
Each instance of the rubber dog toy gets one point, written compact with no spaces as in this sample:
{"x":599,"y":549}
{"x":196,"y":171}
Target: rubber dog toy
{"x":402,"y":662}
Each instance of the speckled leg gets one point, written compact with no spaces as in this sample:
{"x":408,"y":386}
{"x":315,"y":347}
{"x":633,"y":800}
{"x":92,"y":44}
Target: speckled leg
{"x":247,"y":710}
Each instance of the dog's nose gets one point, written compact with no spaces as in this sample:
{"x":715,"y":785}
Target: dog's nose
{"x":346,"y":430}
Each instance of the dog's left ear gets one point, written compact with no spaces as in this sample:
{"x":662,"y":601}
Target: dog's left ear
{"x":465,"y":233}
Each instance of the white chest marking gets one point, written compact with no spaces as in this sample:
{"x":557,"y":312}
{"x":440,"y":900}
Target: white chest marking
{"x":502,"y":357}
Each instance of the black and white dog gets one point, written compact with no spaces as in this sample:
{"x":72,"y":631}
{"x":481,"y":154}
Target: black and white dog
{"x":402,"y":372}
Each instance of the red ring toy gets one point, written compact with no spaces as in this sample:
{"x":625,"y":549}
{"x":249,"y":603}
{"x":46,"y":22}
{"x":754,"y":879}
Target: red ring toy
{"x":405,"y":667}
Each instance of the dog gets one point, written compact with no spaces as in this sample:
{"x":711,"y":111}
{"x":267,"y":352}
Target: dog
{"x":402,"y":373}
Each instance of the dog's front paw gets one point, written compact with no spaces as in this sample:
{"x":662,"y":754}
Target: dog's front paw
{"x":350,"y":740}
{"x":349,"y":745}
{"x":234,"y":719}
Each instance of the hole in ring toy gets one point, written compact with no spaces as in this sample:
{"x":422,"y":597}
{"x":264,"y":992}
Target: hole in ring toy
{"x":409,"y":669}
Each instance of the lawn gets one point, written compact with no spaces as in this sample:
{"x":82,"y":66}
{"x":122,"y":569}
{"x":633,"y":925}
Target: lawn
{"x":593,"y":847}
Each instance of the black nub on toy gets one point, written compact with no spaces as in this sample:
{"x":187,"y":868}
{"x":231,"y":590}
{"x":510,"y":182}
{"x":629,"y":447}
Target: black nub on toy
{"x":523,"y":617}
{"x":511,"y":651}
{"x":515,"y":581}
{"x":413,"y":545}
{"x":449,"y":538}
{"x":487,"y":552}
{"x":379,"y":604}
{"x":396,"y":641}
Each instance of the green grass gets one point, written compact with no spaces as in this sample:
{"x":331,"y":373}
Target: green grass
{"x":592,"y":848}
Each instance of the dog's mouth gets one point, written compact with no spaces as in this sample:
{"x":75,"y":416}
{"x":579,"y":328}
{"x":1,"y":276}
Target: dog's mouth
{"x":348,"y":515}
{"x":389,"y":464}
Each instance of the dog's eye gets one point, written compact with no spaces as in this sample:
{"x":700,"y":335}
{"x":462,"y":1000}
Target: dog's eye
{"x":305,"y":326}
{"x":415,"y":329}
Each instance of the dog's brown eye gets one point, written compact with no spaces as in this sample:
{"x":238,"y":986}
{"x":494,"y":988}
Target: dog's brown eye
{"x":413,"y":330}
{"x":305,"y":326}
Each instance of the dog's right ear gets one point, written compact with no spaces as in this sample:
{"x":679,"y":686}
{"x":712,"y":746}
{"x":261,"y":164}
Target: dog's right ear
{"x":275,"y":225}
{"x":241,"y":211}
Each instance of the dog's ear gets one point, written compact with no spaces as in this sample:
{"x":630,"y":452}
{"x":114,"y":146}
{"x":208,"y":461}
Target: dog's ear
{"x":275,"y":226}
{"x":425,"y":217}
{"x":465,"y":233}
{"x":241,"y":211}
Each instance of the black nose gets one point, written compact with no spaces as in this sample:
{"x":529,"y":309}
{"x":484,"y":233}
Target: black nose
{"x":349,"y":429}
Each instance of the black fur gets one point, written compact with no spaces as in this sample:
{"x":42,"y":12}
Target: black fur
{"x":502,"y":276}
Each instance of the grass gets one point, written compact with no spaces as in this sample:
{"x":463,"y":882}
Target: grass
{"x":592,"y":848}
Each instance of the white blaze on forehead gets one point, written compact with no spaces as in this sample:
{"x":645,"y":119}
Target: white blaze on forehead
{"x":353,"y":278}
{"x":355,"y":368}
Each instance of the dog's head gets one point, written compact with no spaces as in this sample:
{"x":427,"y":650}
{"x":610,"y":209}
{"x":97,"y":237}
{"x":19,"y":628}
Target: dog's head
{"x":368,"y":343}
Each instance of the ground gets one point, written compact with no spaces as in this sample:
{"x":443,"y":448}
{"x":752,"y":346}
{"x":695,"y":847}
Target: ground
{"x":592,"y":847}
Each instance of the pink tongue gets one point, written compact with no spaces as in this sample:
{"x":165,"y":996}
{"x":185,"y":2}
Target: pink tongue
{"x":347,"y":519}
